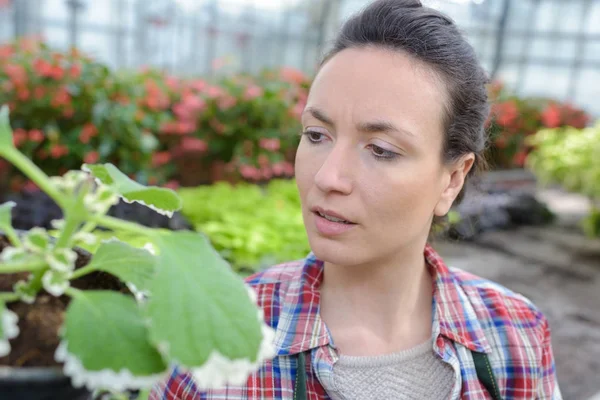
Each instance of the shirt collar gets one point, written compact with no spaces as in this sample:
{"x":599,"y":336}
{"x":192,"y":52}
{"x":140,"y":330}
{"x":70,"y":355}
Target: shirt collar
{"x":300,"y":327}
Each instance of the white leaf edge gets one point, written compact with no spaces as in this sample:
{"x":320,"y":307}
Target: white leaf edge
{"x":55,"y":289}
{"x":219,"y":371}
{"x":10,"y":328}
{"x":125,"y":199}
{"x":103,"y":379}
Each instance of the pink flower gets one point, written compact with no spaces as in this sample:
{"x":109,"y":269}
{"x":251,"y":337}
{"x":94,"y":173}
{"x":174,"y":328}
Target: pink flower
{"x":174,"y":185}
{"x":226,"y":102}
{"x":292,"y":75}
{"x":252,"y":92}
{"x":191,"y":144}
{"x":213,"y":91}
{"x":249,"y":172}
{"x":266,"y":172}
{"x":198,"y":85}
{"x":288,"y":168}
{"x":278,"y":169}
{"x":270,"y":144}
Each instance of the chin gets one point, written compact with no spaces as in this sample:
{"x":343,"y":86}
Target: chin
{"x":334,"y":252}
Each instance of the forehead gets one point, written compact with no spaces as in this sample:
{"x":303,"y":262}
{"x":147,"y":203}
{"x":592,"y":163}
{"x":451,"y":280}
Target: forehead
{"x":367,"y":83}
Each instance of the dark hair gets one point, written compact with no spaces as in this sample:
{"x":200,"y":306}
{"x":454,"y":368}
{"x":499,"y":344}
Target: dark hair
{"x":433,"y":39}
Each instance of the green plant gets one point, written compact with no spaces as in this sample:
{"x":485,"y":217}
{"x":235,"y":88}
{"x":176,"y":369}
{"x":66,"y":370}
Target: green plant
{"x":569,"y":157}
{"x":251,"y":226}
{"x":181,"y":294}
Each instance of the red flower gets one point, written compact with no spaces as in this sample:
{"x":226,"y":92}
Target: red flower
{"x":58,"y":151}
{"x":39,"y":92}
{"x":43,"y":68}
{"x":520,"y":158}
{"x":75,"y":71}
{"x":36,"y":136}
{"x":19,"y":137}
{"x":551,"y":116}
{"x":160,"y":158}
{"x":23,"y":94}
{"x":88,"y":131}
{"x":16,"y":73}
{"x":91,"y":157}
{"x":61,"y":98}
{"x":506,"y":113}
{"x":6,"y":50}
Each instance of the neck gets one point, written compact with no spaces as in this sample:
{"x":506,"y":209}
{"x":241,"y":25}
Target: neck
{"x":381,"y":307}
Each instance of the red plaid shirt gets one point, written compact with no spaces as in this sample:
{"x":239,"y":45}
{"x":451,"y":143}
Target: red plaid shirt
{"x":470,"y":314}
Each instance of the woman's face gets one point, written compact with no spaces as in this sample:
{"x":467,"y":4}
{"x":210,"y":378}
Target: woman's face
{"x":371,"y":155}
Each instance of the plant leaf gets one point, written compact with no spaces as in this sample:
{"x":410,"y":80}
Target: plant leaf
{"x":129,"y":264}
{"x":199,"y":309}
{"x":6,"y":137}
{"x":9,"y":328}
{"x":162,"y":200}
{"x":6,"y":215}
{"x":105,"y":343}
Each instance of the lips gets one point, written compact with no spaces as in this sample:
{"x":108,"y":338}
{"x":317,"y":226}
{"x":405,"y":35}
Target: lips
{"x":332,"y":216}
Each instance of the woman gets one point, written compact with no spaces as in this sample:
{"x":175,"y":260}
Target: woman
{"x":392,"y":130}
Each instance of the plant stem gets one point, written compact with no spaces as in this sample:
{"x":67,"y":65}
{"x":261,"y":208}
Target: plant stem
{"x":22,"y":267}
{"x":78,"y":273}
{"x":117,"y":224}
{"x":7,"y":297}
{"x":74,"y":216}
{"x":12,"y":236}
{"x":33,"y":172}
{"x":36,"y":281}
{"x":88,"y":227}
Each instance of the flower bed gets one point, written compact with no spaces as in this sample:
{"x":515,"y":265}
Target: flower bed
{"x":68,"y":109}
{"x":515,"y":118}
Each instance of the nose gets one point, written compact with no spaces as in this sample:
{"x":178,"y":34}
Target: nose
{"x":334,"y":175}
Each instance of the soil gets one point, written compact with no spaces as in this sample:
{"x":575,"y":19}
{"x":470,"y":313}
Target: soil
{"x":39,"y":323}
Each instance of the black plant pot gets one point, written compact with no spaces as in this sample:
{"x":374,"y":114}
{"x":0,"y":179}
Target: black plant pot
{"x":38,"y":384}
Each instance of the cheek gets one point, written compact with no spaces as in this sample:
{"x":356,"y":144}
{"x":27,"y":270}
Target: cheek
{"x":407,"y":192}
{"x":304,"y":168}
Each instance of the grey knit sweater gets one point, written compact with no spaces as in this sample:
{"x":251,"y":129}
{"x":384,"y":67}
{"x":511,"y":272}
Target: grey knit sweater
{"x":415,"y":373}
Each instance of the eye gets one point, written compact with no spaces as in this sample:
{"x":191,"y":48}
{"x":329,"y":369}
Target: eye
{"x":313,"y":136}
{"x":381,"y":153}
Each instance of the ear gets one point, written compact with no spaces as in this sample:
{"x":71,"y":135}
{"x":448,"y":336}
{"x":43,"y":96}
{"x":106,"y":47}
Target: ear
{"x":455,"y":175}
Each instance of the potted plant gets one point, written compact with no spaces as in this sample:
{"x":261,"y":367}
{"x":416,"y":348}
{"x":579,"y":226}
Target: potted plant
{"x":72,"y":322}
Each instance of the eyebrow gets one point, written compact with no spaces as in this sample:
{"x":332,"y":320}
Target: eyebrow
{"x":366,"y":127}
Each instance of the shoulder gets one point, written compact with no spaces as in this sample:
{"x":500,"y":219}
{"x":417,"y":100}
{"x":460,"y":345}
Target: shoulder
{"x":507,"y":316}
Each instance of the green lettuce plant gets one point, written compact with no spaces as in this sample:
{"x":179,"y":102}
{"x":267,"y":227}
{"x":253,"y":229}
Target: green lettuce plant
{"x":569,"y":157}
{"x":251,"y":226}
{"x":186,"y":307}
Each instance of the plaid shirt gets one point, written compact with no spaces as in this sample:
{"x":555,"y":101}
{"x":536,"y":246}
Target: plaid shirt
{"x":469,"y":314}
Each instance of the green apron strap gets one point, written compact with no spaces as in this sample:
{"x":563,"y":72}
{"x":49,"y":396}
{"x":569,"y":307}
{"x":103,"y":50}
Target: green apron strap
{"x":300,"y":384}
{"x":485,"y":374}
